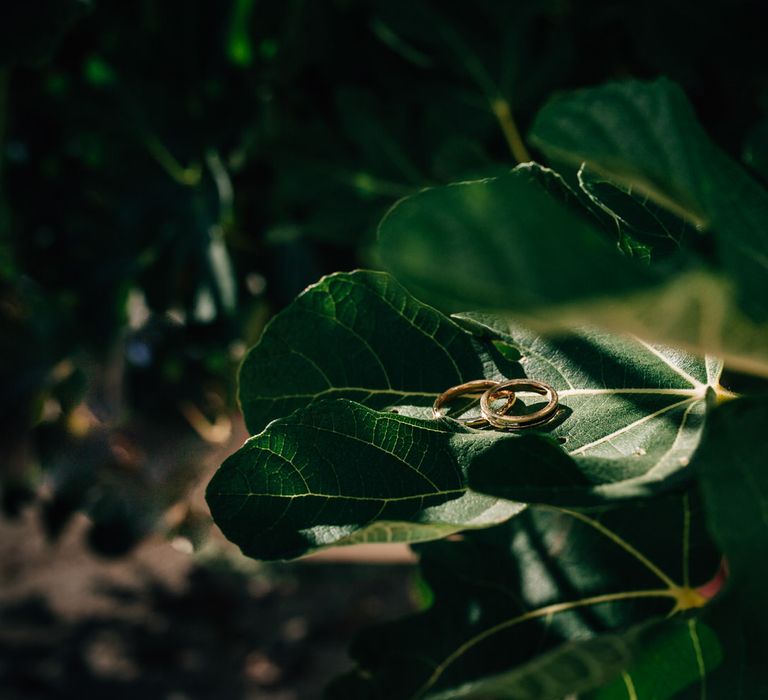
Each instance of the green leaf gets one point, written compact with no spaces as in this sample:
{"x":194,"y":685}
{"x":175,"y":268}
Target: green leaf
{"x":644,"y":229}
{"x":551,"y":603}
{"x":734,"y":482}
{"x":663,"y":659}
{"x":645,"y":135}
{"x":359,"y":336}
{"x":505,"y":243}
{"x":514,"y":245}
{"x":634,"y":414}
{"x":678,"y":657}
{"x":337,"y":472}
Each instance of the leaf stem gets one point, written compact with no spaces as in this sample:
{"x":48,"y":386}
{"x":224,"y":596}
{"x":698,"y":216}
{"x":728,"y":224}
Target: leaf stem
{"x":630,"y":685}
{"x":628,"y":548}
{"x":189,"y":176}
{"x":503,"y":114}
{"x":694,"y":634}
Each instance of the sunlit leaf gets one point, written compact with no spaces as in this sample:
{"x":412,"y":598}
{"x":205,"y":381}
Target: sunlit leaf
{"x":336,"y":471}
{"x":633,"y":417}
{"x":360,"y":336}
{"x":340,"y":473}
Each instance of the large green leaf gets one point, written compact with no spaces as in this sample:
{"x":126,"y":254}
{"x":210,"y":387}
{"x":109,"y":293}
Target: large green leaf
{"x":504,"y":243}
{"x":634,"y":414}
{"x":645,"y":135}
{"x":734,"y":482}
{"x":359,"y":336}
{"x":545,"y":605}
{"x":337,"y":471}
{"x":512,"y":244}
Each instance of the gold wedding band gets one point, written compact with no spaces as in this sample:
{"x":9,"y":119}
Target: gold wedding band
{"x":500,"y":419}
{"x":472,"y":389}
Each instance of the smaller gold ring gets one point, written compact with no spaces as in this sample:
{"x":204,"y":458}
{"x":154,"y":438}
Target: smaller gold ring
{"x":471,"y":389}
{"x":517,"y":422}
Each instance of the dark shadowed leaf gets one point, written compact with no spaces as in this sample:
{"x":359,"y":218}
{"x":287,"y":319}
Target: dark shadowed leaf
{"x":644,"y":229}
{"x":734,"y":483}
{"x":646,"y":135}
{"x":512,"y":244}
{"x":545,"y":605}
{"x":505,"y":243}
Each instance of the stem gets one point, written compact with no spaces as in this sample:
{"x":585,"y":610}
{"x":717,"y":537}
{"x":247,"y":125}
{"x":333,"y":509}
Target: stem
{"x":694,"y":634}
{"x":629,"y":685}
{"x":503,"y":113}
{"x":223,"y":186}
{"x":190,"y":176}
{"x":628,"y":548}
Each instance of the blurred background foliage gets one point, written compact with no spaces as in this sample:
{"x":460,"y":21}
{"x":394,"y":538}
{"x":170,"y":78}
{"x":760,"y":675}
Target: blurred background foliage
{"x":172,"y":173}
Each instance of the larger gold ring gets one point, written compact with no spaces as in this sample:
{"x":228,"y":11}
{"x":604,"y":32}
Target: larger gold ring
{"x":472,"y":389}
{"x":517,"y":422}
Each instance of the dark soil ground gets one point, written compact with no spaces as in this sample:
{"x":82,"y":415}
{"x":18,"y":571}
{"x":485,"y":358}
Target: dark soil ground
{"x":162,"y":623}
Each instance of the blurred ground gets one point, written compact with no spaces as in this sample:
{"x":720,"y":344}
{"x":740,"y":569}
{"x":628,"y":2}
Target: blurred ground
{"x":162,"y":623}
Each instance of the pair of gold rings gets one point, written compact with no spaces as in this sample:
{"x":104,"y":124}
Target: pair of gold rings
{"x":491,"y":391}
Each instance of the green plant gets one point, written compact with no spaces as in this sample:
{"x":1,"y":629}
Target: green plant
{"x":617,"y":553}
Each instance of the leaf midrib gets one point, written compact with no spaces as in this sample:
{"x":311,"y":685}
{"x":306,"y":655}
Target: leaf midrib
{"x":343,"y":497}
{"x":633,"y":424}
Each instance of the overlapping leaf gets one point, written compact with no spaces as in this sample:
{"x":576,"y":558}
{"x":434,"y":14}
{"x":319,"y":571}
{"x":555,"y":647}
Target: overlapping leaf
{"x":358,"y":336}
{"x":338,"y":471}
{"x":633,"y":417}
{"x":506,"y":244}
{"x":545,"y":605}
{"x":645,"y":135}
{"x":503,"y":244}
{"x":644,"y":229}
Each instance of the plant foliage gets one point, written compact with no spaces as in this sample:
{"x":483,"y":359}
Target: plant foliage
{"x":171,"y":172}
{"x":605,"y":554}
